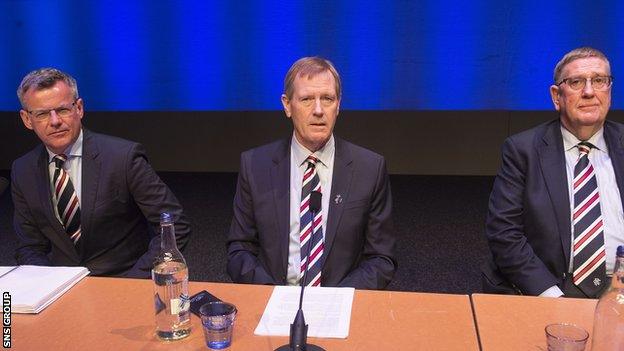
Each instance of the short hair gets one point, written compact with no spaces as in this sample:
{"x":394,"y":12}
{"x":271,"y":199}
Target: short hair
{"x":578,"y":53}
{"x":310,"y":67}
{"x":43,"y":78}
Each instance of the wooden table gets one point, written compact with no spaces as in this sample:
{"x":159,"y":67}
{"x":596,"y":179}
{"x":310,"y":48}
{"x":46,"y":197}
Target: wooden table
{"x":118,"y":314}
{"x":517,"y":322}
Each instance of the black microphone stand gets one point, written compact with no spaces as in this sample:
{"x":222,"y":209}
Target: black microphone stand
{"x":298,"y":328}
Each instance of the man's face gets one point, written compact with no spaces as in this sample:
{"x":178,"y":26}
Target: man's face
{"x":313,"y":109}
{"x":54,"y":115}
{"x":585,"y":108}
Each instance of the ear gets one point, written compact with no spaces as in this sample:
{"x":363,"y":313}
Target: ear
{"x":555,"y":93}
{"x":26,"y":119}
{"x":80,"y":107}
{"x":286,"y":104}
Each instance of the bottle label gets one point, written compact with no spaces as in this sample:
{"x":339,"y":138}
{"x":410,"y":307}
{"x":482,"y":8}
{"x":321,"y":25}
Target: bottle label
{"x":181,"y":304}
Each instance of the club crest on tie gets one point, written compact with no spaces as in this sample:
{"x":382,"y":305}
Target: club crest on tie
{"x":597,"y":281}
{"x":338,"y":199}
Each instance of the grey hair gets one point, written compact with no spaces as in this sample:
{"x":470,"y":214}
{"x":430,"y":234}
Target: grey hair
{"x":43,"y":78}
{"x":578,"y":53}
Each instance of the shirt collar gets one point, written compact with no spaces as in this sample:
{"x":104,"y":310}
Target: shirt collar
{"x":570,"y":141}
{"x":73,"y":150}
{"x":324,"y":154}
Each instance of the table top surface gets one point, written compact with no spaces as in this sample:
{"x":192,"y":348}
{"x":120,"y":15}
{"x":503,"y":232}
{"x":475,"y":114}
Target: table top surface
{"x":118,"y":314}
{"x":517,"y":322}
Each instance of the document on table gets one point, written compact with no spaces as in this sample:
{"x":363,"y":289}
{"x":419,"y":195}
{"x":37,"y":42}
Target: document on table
{"x":327,"y":311}
{"x":33,"y":288}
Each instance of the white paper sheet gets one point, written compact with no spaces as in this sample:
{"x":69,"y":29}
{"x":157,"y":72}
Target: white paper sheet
{"x":33,"y":288}
{"x":327,"y":311}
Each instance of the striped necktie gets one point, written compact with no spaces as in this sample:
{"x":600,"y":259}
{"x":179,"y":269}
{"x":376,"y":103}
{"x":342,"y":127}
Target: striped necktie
{"x":311,"y":182}
{"x":589,"y":269}
{"x":66,"y":199}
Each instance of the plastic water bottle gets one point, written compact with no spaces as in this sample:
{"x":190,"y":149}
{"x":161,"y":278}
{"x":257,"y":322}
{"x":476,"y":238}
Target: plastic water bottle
{"x":609,"y":317}
{"x":170,"y":276}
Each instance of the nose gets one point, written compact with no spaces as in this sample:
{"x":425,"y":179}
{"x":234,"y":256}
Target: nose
{"x":318,"y":110}
{"x":55,"y":120}
{"x":588,"y":89}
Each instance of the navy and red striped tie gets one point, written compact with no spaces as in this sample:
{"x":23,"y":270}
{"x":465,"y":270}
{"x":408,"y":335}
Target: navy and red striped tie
{"x":66,"y":199}
{"x":589,"y":268}
{"x":311,"y":182}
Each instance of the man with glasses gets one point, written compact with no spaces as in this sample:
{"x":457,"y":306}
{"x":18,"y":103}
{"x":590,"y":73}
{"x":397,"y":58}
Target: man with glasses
{"x":82,"y":198}
{"x":555,"y":213}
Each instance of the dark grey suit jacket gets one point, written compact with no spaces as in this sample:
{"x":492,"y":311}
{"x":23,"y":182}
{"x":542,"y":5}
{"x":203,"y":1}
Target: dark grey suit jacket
{"x":528,"y":224}
{"x":121,"y":201}
{"x":359,"y":238}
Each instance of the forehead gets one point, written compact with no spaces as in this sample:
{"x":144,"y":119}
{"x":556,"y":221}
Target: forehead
{"x":320,"y":81}
{"x":586,"y":65}
{"x":41,"y":97}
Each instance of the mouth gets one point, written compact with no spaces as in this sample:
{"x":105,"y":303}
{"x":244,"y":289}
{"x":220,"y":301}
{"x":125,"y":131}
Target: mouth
{"x":58,"y":133}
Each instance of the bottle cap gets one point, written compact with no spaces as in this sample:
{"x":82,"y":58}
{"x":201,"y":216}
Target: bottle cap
{"x":620,"y":251}
{"x":165,"y":217}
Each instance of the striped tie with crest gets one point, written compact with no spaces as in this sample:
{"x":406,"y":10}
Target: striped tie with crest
{"x":589,"y":269}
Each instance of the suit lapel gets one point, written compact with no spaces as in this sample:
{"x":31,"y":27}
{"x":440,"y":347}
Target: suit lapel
{"x":341,"y":180}
{"x":59,"y":237}
{"x":280,"y":183}
{"x":552,"y":160}
{"x":90,"y":179}
{"x":615,"y":143}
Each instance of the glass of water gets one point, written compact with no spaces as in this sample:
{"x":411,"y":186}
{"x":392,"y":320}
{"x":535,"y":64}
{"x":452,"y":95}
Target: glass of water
{"x":218,"y":322}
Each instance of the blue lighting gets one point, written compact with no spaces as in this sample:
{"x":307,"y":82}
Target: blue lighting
{"x":233,"y":55}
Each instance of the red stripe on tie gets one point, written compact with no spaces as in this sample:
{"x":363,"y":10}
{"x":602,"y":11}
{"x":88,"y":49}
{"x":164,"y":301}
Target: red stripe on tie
{"x":60,"y":183}
{"x":305,"y":234}
{"x":307,"y":174}
{"x":587,"y":204}
{"x":585,"y":176}
{"x":590,"y":266}
{"x":318,"y":250}
{"x":304,"y":205}
{"x":317,"y":281}
{"x":318,"y":221}
{"x":71,"y":209}
{"x":588,"y":235}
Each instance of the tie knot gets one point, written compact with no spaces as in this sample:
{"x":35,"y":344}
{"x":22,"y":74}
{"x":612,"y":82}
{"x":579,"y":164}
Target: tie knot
{"x":59,"y":160}
{"x":312,"y":160}
{"x":584,"y":147}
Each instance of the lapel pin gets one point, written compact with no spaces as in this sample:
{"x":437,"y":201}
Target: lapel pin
{"x":338,"y":199}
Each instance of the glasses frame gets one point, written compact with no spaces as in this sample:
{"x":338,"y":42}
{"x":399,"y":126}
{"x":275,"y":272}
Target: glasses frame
{"x":606,"y":87}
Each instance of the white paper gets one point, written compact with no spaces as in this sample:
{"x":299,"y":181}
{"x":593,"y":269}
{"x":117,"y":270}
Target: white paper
{"x":6,"y":269}
{"x":327,"y":311}
{"x":33,"y":288}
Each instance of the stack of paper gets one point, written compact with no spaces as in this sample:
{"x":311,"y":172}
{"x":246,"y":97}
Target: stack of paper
{"x":33,"y":288}
{"x":327,"y":311}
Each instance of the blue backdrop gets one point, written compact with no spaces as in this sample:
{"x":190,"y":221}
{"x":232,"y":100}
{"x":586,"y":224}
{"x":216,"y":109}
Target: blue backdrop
{"x":232,"y":55}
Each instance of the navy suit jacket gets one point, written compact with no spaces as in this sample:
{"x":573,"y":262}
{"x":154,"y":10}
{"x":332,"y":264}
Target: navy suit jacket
{"x":359,"y":238}
{"x":121,"y":201}
{"x":528,"y":224}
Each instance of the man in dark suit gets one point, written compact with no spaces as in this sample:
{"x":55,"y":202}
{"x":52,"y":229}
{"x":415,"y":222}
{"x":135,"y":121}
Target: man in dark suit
{"x":82,"y":198}
{"x":555,"y":212}
{"x":271,"y":236}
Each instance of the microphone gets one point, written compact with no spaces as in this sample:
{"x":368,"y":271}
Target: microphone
{"x":298,"y":328}
{"x":4,"y":184}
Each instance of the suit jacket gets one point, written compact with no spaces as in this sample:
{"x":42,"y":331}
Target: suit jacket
{"x":121,"y":201}
{"x":528,"y":224}
{"x":359,"y":238}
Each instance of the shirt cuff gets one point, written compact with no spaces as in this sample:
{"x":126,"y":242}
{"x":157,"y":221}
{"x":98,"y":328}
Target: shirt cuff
{"x":553,"y":291}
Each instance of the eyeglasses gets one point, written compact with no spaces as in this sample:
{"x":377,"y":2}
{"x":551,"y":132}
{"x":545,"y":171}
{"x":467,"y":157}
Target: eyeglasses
{"x":61,"y":111}
{"x":597,"y":83}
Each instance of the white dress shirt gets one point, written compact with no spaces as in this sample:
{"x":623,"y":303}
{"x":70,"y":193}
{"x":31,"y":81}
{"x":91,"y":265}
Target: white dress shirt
{"x":325,"y":170}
